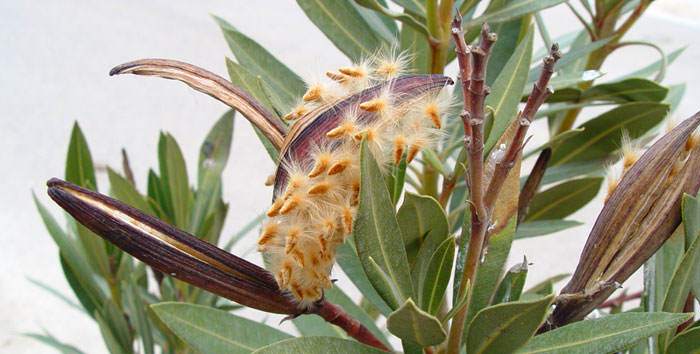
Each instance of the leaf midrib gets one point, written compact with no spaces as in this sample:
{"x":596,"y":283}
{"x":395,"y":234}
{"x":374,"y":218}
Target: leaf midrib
{"x":213,"y":334}
{"x":561,"y":200}
{"x":594,"y":339}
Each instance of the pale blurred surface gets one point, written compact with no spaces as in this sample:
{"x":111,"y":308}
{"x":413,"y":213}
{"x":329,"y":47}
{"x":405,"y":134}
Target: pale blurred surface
{"x":55,"y":60}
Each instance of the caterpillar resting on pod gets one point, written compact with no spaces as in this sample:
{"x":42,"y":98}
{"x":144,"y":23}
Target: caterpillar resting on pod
{"x":317,"y":182}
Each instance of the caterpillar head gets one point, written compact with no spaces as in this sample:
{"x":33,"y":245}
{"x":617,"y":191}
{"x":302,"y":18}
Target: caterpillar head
{"x":317,"y":180}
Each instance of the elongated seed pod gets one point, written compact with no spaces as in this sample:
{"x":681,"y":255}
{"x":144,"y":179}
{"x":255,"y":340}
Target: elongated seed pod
{"x":317,"y":180}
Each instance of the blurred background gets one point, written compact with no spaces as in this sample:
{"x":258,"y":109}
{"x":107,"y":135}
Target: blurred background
{"x":55,"y":59}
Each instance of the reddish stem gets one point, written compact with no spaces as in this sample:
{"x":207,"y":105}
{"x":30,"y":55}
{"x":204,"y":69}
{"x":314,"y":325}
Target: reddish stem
{"x":336,"y":315}
{"x":539,"y":94}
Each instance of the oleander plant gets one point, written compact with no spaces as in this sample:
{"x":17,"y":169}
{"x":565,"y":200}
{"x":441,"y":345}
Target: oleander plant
{"x":412,"y":180}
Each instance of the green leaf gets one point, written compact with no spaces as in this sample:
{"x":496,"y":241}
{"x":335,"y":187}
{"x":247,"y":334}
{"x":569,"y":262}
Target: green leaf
{"x":376,"y":231}
{"x":415,"y":325}
{"x":663,"y":264}
{"x":489,"y":272}
{"x":80,"y":171}
{"x":317,"y":345}
{"x":545,"y":287}
{"x":433,"y":278}
{"x":114,"y":328}
{"x":248,"y":81}
{"x":687,"y":342}
{"x":78,"y":272}
{"x":259,"y":61}
{"x":630,"y":90}
{"x":124,"y":191}
{"x":688,"y":271}
{"x":603,"y":134}
{"x":402,"y":17}
{"x":174,"y":179}
{"x":563,"y":199}
{"x":603,"y":335}
{"x":593,"y":168}
{"x":511,"y":286}
{"x":51,"y":341}
{"x":505,"y":91}
{"x":137,"y":314}
{"x":79,"y":167}
{"x":504,"y":328}
{"x":349,"y":261}
{"x":543,"y":227}
{"x":214,"y":331}
{"x":510,"y":34}
{"x":344,"y":26}
{"x":513,"y":10}
{"x":690,"y":208}
{"x":213,"y":155}
{"x":421,"y":218}
{"x":384,"y":26}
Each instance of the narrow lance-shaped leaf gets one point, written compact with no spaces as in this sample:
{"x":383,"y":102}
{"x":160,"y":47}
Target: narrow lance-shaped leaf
{"x":434,"y":277}
{"x":174,"y":179}
{"x":513,"y":10}
{"x":344,"y":26}
{"x":563,"y":199}
{"x":604,"y":133}
{"x":504,"y":96}
{"x":506,"y":327}
{"x":687,"y":342}
{"x":350,"y":263}
{"x":317,"y":345}
{"x":421,"y":220}
{"x":51,"y":341}
{"x":603,"y":335}
{"x":630,"y":90}
{"x":511,"y":286}
{"x":543,"y":227}
{"x":688,"y":271}
{"x":376,"y":231}
{"x":213,"y":156}
{"x":214,"y":331}
{"x":81,"y":171}
{"x":283,"y":81}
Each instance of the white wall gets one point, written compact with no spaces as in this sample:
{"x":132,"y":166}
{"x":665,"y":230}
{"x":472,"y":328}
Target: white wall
{"x":55,"y":57}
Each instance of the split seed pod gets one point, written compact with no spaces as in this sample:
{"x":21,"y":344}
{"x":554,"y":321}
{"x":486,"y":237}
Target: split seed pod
{"x":640,"y":214}
{"x":172,"y":251}
{"x":317,"y":179}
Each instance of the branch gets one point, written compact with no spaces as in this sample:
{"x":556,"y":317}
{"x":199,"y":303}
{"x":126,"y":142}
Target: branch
{"x":336,"y":315}
{"x":213,"y":85}
{"x":539,"y":94}
{"x":472,"y":71}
